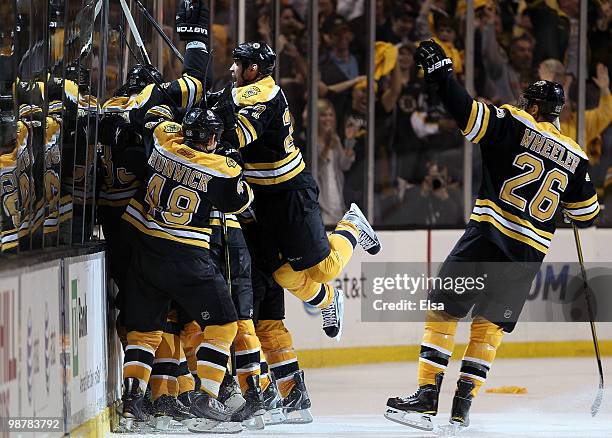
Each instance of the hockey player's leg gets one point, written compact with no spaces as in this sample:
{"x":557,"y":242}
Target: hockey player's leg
{"x":321,"y":295}
{"x":248,"y":349}
{"x":277,"y":343}
{"x":485,"y":338}
{"x":164,"y":381}
{"x":137,"y":365}
{"x":436,"y":348}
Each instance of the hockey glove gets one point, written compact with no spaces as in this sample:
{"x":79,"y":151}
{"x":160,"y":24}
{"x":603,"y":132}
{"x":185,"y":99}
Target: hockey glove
{"x":192,"y":20}
{"x":431,"y":57}
{"x":224,"y":108}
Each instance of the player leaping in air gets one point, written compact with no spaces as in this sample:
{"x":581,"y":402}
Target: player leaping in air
{"x":530,"y":171}
{"x":302,"y":258}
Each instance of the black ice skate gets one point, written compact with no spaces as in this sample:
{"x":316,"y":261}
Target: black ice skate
{"x":460,"y":412}
{"x":415,"y":410}
{"x":188,"y":397}
{"x":251,"y":414}
{"x":273,"y":404}
{"x":212,"y":416}
{"x":333,"y":315}
{"x":167,"y":408}
{"x":132,"y":399}
{"x":230,"y":394}
{"x":368,"y":239}
{"x":298,"y":401}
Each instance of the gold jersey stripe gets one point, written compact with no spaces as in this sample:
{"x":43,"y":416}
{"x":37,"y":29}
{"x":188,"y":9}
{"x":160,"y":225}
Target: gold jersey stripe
{"x":472,"y":119}
{"x":485,"y":124}
{"x":580,"y":204}
{"x":513,"y":218}
{"x":510,"y":233}
{"x":230,"y":223}
{"x":186,"y":241}
{"x":273,"y":165}
{"x":584,"y":218}
{"x":276,"y":180}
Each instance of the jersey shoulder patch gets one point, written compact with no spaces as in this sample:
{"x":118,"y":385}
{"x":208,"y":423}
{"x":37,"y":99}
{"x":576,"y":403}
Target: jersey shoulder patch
{"x":259,"y":92}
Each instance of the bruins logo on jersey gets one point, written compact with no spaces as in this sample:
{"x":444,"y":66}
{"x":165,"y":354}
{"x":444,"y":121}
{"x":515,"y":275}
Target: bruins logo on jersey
{"x":230,"y":162}
{"x":252,"y":91}
{"x":172,"y":128}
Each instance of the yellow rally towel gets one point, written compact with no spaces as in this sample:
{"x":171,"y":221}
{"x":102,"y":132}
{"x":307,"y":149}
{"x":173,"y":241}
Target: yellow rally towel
{"x":385,"y":59}
{"x":507,"y":390}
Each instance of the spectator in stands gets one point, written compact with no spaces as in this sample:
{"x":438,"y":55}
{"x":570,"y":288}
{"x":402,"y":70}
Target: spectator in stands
{"x":551,"y":28}
{"x":503,"y":73}
{"x":407,"y":145}
{"x":400,"y":28}
{"x":339,"y":64}
{"x":334,"y":160}
{"x":600,"y":33}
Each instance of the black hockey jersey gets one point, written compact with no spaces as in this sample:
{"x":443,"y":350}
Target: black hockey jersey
{"x":530,"y":170}
{"x":123,"y":156}
{"x":172,"y":210}
{"x":264,"y":134}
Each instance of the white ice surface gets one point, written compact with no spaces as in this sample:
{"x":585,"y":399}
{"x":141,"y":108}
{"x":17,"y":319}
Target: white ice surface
{"x":350,"y":401}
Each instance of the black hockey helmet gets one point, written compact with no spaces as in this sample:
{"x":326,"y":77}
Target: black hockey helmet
{"x":256,"y":53}
{"x":8,"y":125}
{"x":199,"y":125}
{"x":548,"y":95}
{"x":140,"y":76}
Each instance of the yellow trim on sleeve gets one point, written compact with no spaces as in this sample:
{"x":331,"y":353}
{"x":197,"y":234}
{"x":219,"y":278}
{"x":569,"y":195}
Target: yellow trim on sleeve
{"x":580,"y":204}
{"x":472,"y":118}
{"x":484,"y":125}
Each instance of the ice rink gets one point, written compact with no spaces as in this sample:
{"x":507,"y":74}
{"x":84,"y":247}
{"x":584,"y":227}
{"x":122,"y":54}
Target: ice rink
{"x":350,"y":401}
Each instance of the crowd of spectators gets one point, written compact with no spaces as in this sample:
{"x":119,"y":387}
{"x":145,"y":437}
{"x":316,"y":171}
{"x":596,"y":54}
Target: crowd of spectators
{"x":418,"y":148}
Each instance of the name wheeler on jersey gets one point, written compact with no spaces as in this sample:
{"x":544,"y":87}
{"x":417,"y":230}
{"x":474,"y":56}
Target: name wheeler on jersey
{"x":264,"y":133}
{"x":530,"y":170}
{"x":172,"y":210}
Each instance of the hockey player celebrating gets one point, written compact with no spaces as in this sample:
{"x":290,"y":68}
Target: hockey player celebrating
{"x":530,"y":170}
{"x":301,"y":256}
{"x":167,"y":225}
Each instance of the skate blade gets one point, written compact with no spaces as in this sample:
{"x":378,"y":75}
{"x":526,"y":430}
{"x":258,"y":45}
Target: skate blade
{"x":234,"y":403}
{"x":130,"y":424}
{"x":412,"y":419}
{"x":200,"y":425}
{"x":161,"y":422}
{"x":304,"y":417}
{"x":255,"y":423}
{"x":275,"y":416}
{"x":451,"y":429}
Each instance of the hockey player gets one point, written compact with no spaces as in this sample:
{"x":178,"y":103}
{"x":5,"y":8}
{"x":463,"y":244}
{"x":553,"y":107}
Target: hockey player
{"x":287,"y":210}
{"x":530,"y":170}
{"x":285,"y":392}
{"x":166,"y":223}
{"x":123,"y":164}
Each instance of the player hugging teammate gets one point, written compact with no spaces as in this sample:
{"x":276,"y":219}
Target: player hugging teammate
{"x":183,"y":176}
{"x":530,"y":170}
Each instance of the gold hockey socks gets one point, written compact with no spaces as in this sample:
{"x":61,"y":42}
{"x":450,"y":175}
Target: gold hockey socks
{"x":247,"y":352}
{"x":302,"y":286}
{"x":185,"y":379}
{"x":342,"y":243}
{"x":485,"y":338}
{"x":139,"y":355}
{"x":437,"y":346}
{"x":189,"y":341}
{"x":277,"y":345}
{"x":164,"y":374}
{"x":212,"y":353}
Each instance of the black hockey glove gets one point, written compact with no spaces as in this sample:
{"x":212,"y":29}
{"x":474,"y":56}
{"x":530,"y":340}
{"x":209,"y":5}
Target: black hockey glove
{"x":224,"y":108}
{"x":436,"y":65}
{"x":192,"y":17}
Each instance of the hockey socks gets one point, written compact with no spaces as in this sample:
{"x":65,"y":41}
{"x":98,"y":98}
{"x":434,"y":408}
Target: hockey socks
{"x":437,"y":346}
{"x":485,"y":338}
{"x":139,"y":355}
{"x":165,"y":370}
{"x":212,"y":354}
{"x":248,"y":351}
{"x":277,"y":345}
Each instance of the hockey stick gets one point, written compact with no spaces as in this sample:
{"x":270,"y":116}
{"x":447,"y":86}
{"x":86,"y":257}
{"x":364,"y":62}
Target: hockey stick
{"x":587,"y":290}
{"x":134,"y":29}
{"x":228,"y":274}
{"x":159,"y":30}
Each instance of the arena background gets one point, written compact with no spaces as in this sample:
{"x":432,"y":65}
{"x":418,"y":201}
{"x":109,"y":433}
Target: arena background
{"x":412,"y":172}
